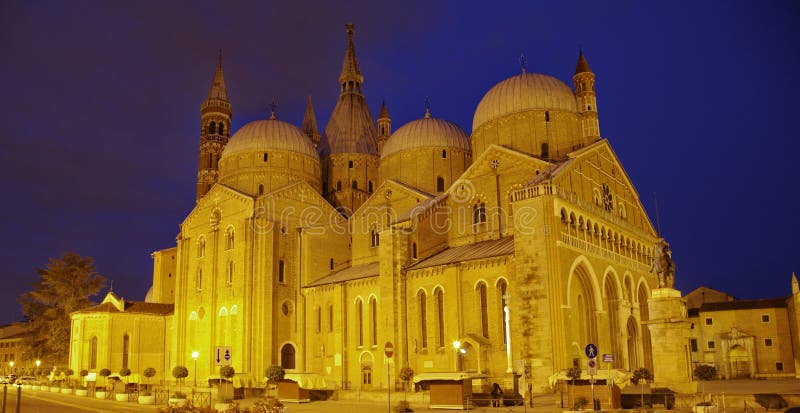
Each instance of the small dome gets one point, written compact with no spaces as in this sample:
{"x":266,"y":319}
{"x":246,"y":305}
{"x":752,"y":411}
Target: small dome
{"x":425,"y":133}
{"x":521,"y":93}
{"x":271,"y":134}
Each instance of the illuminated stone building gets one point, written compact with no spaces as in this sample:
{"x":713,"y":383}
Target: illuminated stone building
{"x":521,"y":242}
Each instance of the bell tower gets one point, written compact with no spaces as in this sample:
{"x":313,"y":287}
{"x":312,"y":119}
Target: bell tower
{"x":215,"y":130}
{"x":586,"y":100}
{"x":384,"y":127}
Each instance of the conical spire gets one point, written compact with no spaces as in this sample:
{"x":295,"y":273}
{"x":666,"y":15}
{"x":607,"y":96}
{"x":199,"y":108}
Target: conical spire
{"x":309,"y":125}
{"x":583,"y":65}
{"x":384,"y":112}
{"x":351,"y":77}
{"x":218,"y":90}
{"x":795,"y":287}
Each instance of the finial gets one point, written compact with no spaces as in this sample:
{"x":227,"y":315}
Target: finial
{"x":350,"y":27}
{"x":111,"y":287}
{"x":427,"y":107}
{"x":219,"y":59}
{"x":523,"y":62}
{"x":272,"y":107}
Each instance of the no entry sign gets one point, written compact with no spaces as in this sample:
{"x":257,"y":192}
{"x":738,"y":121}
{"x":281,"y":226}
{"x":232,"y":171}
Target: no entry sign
{"x":388,"y":349}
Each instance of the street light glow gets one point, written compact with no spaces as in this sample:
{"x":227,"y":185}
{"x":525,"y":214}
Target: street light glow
{"x":456,"y":344}
{"x":195,"y":355}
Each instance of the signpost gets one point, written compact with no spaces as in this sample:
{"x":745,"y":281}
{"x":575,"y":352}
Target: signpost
{"x":609,"y":359}
{"x":591,"y":354}
{"x":388,"y":351}
{"x":222,"y":356}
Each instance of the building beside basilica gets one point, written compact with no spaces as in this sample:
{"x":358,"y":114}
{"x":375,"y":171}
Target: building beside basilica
{"x":521,"y":243}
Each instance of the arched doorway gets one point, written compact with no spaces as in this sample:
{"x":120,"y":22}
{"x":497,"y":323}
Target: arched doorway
{"x":583,"y":324}
{"x":468,"y":356}
{"x":612,"y":305}
{"x":739,"y":360}
{"x":644,"y":315}
{"x":287,"y":357}
{"x":366,"y":370}
{"x":633,"y":353}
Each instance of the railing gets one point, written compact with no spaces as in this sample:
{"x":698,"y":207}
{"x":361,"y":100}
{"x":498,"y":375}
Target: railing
{"x":602,"y":252}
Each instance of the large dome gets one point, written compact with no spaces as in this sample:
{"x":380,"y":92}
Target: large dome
{"x":268,"y":135}
{"x":424,"y":133}
{"x":524,"y":92}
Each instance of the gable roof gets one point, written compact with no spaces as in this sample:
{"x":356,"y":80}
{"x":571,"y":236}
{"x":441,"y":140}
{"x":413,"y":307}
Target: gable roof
{"x":469,"y":252}
{"x":348,"y":274}
{"x":390,"y":183}
{"x":744,"y":304}
{"x":132,"y":307}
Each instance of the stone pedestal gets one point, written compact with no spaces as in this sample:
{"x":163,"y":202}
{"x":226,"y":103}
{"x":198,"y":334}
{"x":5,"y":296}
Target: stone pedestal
{"x":669,"y":335}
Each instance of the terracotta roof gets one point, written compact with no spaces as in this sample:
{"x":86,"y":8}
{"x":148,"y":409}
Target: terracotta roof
{"x":478,"y":250}
{"x":583,"y":65}
{"x":744,"y":304}
{"x":137,"y":307}
{"x":353,"y":273}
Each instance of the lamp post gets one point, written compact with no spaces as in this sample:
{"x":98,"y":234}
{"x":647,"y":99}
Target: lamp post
{"x":38,"y":363}
{"x":195,"y":355}
{"x":11,"y":367}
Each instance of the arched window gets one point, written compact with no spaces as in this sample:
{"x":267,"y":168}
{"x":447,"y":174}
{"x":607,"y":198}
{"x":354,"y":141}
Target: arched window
{"x":221,"y":128}
{"x":222,"y":326}
{"x":229,"y":281}
{"x":484,"y":310}
{"x":369,"y":186}
{"x":350,"y":164}
{"x":126,"y":347}
{"x":547,"y":116}
{"x":479,"y":213}
{"x":338,"y":185}
{"x":502,"y":289}
{"x":212,"y":127}
{"x":423,"y":319}
{"x":281,"y":272}
{"x":319,"y":320}
{"x":229,"y":238}
{"x":266,"y":157}
{"x":545,"y":150}
{"x":444,"y":154}
{"x":355,"y":184}
{"x":330,"y":318}
{"x":198,"y":281}
{"x":439,"y":295}
{"x":375,"y":238}
{"x":360,"y":320}
{"x":261,"y":189}
{"x":414,"y":250}
{"x":201,"y":247}
{"x":373,"y":316}
{"x":287,"y":357}
{"x":440,"y":184}
{"x":331,"y":263}
{"x":93,"y":353}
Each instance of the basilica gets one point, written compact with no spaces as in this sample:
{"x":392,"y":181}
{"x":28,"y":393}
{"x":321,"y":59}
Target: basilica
{"x":494,"y":254}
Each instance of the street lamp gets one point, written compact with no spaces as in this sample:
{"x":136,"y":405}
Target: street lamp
{"x":11,"y":366}
{"x":38,"y":363}
{"x":195,"y":355}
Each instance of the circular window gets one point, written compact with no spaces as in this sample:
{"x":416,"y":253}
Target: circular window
{"x":286,"y":309}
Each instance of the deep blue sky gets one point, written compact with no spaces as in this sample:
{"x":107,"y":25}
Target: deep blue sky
{"x":100,"y":112}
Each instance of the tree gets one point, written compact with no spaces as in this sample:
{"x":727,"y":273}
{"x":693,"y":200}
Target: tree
{"x":641,"y":375}
{"x":274,"y":374}
{"x":180,"y":373}
{"x":574,"y":373}
{"x":65,"y":285}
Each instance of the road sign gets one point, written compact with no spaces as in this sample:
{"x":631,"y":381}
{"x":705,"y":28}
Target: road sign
{"x":222,"y":356}
{"x":592,"y":370}
{"x":388,"y":349}
{"x":591,"y":351}
{"x":608,"y":358}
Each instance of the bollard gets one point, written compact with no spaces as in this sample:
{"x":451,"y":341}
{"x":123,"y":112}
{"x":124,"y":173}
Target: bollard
{"x":19,"y":396}
{"x":5,"y":392}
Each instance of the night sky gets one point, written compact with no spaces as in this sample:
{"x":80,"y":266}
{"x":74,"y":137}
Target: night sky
{"x":100,"y":112}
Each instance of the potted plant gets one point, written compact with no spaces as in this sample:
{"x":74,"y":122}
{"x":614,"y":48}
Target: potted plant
{"x":406,"y":374}
{"x":123,"y":395}
{"x":274,"y":374}
{"x":67,"y":389}
{"x":146,"y":396}
{"x":224,"y":389}
{"x":641,"y":376}
{"x":178,"y":398}
{"x":100,"y":392}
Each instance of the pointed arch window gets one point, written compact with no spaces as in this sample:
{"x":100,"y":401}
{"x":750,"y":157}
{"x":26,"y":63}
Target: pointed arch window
{"x":338,"y":185}
{"x":126,"y":347}
{"x":229,"y":280}
{"x":212,"y":127}
{"x":502,"y":289}
{"x":221,"y":128}
{"x":319,"y":320}
{"x":93,"y":353}
{"x":281,"y":272}
{"x":479,"y":213}
{"x":440,"y":184}
{"x":369,"y":186}
{"x":360,"y":319}
{"x":350,"y":164}
{"x":545,"y":150}
{"x":439,"y":296}
{"x":484,"y":310}
{"x":330,"y":318}
{"x":331,"y":263}
{"x":444,"y":153}
{"x":422,"y":305}
{"x":198,"y":281}
{"x":266,"y":157}
{"x":261,"y":189}
{"x":355,"y":184}
{"x":229,"y":238}
{"x":201,"y":247}
{"x":375,"y":238}
{"x":288,"y":356}
{"x":414,"y":250}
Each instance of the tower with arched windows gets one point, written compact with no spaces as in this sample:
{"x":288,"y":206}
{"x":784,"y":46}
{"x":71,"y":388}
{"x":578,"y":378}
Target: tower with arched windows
{"x":215,"y":128}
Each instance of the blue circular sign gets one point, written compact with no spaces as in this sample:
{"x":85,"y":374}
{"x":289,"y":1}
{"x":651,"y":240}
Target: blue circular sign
{"x":590,"y":350}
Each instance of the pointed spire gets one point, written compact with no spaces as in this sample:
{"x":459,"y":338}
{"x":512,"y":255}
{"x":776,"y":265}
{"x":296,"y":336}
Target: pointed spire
{"x":272,"y":107}
{"x":523,"y":62}
{"x":350,"y":77}
{"x":795,"y":287}
{"x":217,"y":89}
{"x":309,"y":125}
{"x":583,"y":65}
{"x":384,"y":112}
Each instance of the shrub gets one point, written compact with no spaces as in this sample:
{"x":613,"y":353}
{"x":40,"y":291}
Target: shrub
{"x":705,"y":372}
{"x":125,"y":372}
{"x":580,"y":403}
{"x":402,"y":407}
{"x":770,"y":400}
{"x":149,"y":372}
{"x":641,"y":374}
{"x":84,"y":373}
{"x":275,"y":373}
{"x":69,"y":372}
{"x":105,"y":372}
{"x":406,"y":373}
{"x":180,"y":372}
{"x":226,"y":372}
